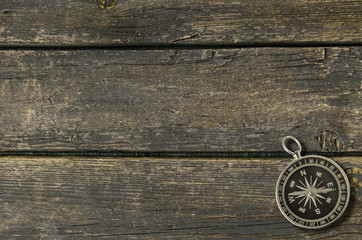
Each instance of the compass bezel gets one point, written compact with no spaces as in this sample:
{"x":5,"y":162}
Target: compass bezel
{"x":299,"y":221}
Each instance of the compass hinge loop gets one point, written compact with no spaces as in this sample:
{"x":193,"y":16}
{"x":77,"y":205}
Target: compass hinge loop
{"x":296,"y":155}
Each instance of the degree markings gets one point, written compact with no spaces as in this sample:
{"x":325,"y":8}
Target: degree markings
{"x":315,"y":196}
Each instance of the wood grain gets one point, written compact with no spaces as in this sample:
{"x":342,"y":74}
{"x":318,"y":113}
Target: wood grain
{"x":152,"y":198}
{"x":181,"y":100}
{"x":89,"y":22}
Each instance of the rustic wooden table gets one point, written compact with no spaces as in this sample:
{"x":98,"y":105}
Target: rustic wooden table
{"x":160,"y":119}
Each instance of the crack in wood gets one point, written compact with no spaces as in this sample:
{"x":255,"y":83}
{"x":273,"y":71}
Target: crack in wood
{"x":187,"y":37}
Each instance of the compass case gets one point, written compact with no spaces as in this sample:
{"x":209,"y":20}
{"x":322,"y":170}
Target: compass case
{"x":312,"y":192}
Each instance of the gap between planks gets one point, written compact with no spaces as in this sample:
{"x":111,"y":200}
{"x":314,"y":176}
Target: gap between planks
{"x":166,"y":46}
{"x":171,"y":154}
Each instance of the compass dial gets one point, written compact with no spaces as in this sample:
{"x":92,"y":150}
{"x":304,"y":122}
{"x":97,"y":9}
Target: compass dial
{"x":312,"y":192}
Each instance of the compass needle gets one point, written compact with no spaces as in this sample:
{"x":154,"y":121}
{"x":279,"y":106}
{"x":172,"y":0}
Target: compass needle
{"x":312,"y":191}
{"x":306,"y":182}
{"x":302,"y":199}
{"x":305,"y":187}
{"x":320,"y":196}
{"x":319,"y":184}
{"x":300,"y":187}
{"x":310,"y":202}
{"x":319,"y":201}
{"x":296,"y":193}
{"x":325,"y":190}
{"x":315,"y":181}
{"x":314,"y":202}
{"x":300,"y":196}
{"x":306,"y":201}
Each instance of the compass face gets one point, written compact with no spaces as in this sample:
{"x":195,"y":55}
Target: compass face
{"x":312,"y":192}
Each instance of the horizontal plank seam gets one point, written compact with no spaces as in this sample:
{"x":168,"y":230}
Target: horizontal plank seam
{"x":171,"y":154}
{"x":158,"y":46}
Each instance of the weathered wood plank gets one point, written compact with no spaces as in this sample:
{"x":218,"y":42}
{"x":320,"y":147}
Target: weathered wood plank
{"x":181,"y":100}
{"x":68,"y":22}
{"x":108,"y":198}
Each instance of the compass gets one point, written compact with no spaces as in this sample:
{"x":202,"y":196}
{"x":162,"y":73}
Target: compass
{"x":312,"y":191}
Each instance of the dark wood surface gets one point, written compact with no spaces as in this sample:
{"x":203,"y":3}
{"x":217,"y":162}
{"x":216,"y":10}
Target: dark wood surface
{"x":181,"y":100}
{"x":247,"y":22}
{"x":96,"y":76}
{"x":155,"y":198}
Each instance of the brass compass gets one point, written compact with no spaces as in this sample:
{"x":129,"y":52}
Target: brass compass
{"x":312,"y":191}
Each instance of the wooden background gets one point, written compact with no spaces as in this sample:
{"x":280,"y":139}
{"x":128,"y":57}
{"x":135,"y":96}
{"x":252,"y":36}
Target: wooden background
{"x":159,"y":119}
